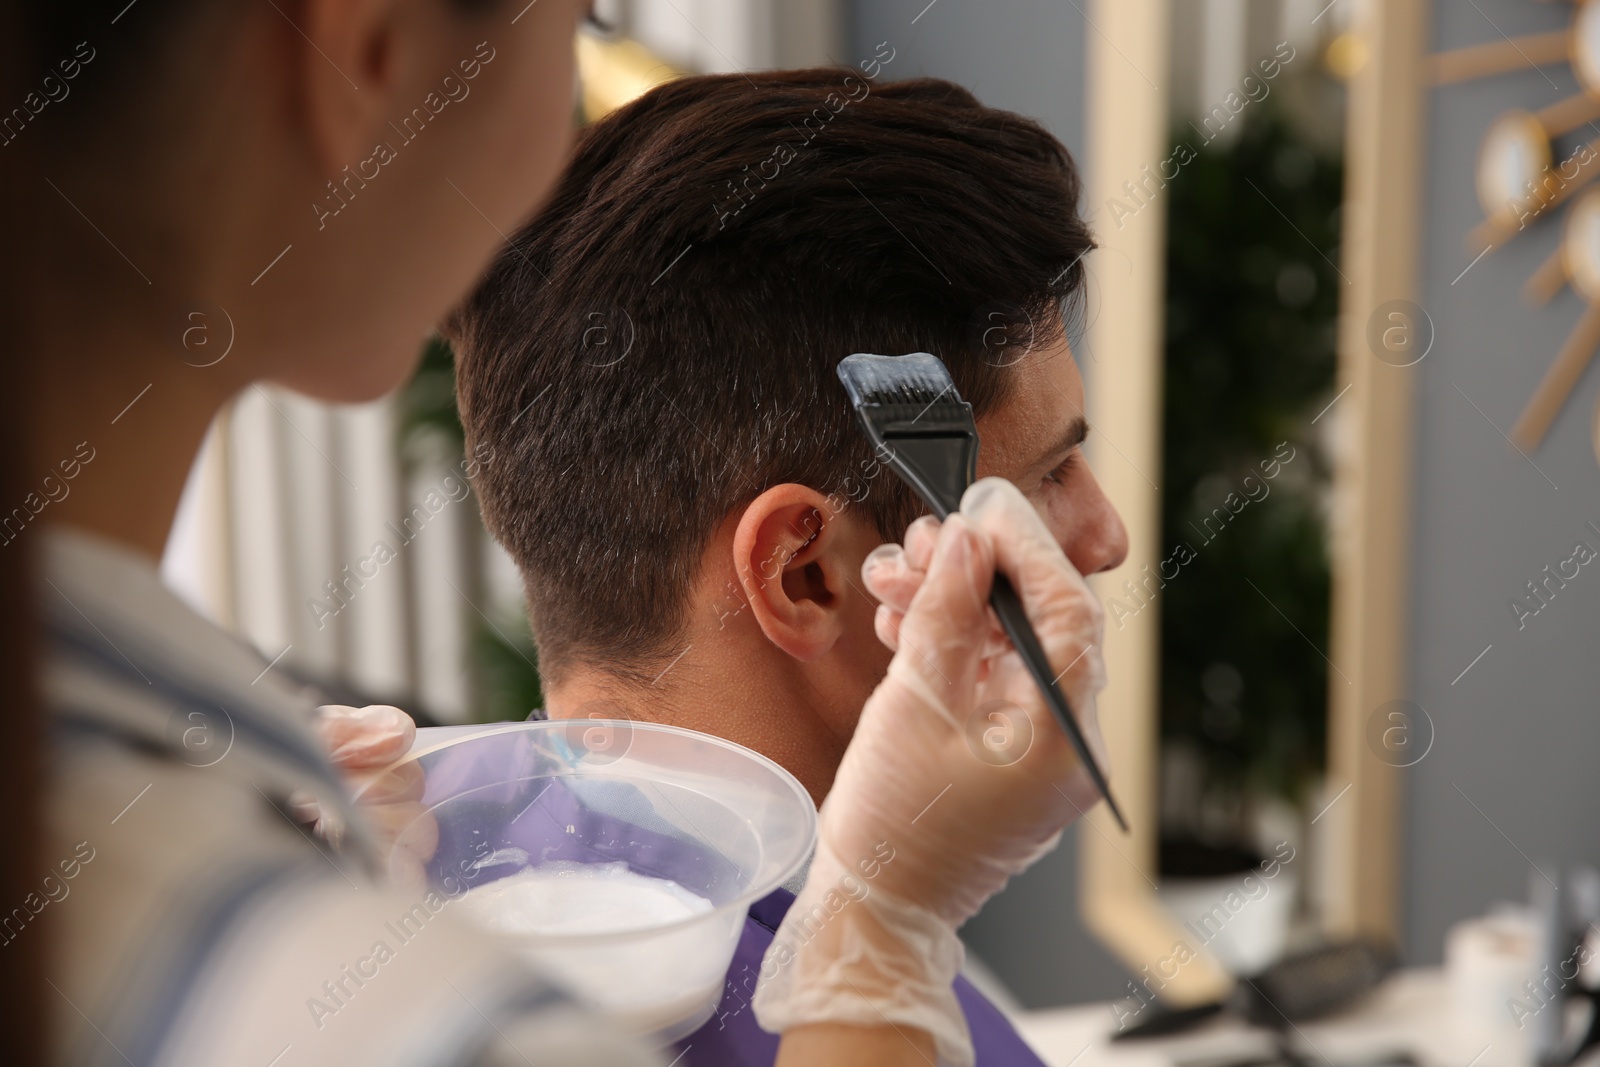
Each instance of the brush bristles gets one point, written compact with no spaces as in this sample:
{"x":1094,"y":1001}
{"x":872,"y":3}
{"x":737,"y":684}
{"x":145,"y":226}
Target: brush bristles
{"x":918,"y":378}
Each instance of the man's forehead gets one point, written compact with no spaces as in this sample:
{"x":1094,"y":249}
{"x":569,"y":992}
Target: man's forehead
{"x":1050,"y":369}
{"x":1042,"y":411}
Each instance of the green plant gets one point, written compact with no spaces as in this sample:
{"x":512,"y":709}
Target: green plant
{"x":1252,"y":299}
{"x":428,"y":402}
{"x":508,"y":672}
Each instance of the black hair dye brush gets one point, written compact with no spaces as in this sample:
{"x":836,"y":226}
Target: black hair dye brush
{"x":910,"y":410}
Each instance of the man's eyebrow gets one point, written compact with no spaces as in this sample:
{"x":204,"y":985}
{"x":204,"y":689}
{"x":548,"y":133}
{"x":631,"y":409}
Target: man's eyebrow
{"x":1077,"y":431}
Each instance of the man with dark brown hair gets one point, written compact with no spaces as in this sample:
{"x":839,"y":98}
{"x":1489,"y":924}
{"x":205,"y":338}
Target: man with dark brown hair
{"x":679,"y":476}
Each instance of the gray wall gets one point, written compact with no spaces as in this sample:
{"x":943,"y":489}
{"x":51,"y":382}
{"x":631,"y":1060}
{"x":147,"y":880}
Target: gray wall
{"x":1025,"y":56}
{"x":1517,"y":736}
{"x":1022,"y":55}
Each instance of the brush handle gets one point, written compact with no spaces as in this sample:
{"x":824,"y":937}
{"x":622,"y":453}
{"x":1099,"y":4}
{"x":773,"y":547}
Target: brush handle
{"x":1008,"y":606}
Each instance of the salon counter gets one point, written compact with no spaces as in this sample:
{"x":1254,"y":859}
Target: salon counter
{"x":1410,"y":1013}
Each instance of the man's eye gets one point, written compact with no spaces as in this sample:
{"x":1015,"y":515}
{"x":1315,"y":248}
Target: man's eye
{"x":1057,"y":476}
{"x":593,"y":19}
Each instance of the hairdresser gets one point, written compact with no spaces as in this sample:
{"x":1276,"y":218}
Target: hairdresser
{"x":172,"y":243}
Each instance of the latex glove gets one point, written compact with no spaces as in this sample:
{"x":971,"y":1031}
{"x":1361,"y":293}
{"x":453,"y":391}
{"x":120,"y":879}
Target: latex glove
{"x":361,"y":742}
{"x":957,"y":777}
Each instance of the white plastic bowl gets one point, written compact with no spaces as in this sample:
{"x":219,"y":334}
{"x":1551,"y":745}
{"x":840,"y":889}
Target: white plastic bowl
{"x":723,"y":822}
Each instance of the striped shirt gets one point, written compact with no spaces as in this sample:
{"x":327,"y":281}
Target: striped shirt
{"x":194,"y":921}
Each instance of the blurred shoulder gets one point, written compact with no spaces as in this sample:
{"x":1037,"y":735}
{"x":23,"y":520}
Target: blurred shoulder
{"x":193,"y":921}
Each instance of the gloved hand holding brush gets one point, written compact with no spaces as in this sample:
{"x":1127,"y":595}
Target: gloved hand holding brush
{"x":957,"y":778}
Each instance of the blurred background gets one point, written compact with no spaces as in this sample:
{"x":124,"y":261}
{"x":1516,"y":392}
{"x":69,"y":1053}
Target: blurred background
{"x":279,"y":534}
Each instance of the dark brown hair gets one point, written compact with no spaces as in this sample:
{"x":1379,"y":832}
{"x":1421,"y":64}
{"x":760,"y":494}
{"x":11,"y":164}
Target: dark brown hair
{"x":658,"y":347}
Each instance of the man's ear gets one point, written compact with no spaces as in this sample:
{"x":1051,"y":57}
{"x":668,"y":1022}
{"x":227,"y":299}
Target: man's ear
{"x":348,"y":57}
{"x":786,"y":550}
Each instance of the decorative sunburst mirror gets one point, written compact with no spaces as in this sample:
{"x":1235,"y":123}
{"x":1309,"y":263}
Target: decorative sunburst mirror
{"x":1520,"y":179}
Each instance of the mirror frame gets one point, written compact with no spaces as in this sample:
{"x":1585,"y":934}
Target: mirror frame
{"x":1369,"y":542}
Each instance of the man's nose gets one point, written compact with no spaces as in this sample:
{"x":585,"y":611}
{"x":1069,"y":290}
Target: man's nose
{"x":1102,"y":544}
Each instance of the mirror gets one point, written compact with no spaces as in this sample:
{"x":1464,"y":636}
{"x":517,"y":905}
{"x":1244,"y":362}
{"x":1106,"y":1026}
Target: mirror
{"x":1514,"y":156}
{"x":1230,"y":761}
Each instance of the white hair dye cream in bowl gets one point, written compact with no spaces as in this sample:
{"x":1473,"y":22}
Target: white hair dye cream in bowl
{"x":620,"y":857}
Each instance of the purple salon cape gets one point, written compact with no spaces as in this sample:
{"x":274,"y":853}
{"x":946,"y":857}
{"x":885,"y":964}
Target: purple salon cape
{"x":557,"y":823}
{"x":731,"y":1038}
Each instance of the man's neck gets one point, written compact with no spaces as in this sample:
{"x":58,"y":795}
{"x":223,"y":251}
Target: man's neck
{"x":730,"y":682}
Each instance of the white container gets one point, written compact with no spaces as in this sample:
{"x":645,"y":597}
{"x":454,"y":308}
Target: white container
{"x":1241,"y":919}
{"x":1488,"y":959}
{"x":722,"y":822}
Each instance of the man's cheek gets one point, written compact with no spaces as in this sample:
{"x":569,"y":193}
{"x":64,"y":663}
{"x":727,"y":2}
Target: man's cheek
{"x":1039,"y":495}
{"x":1046,"y":500}
{"x":1060,"y":517}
